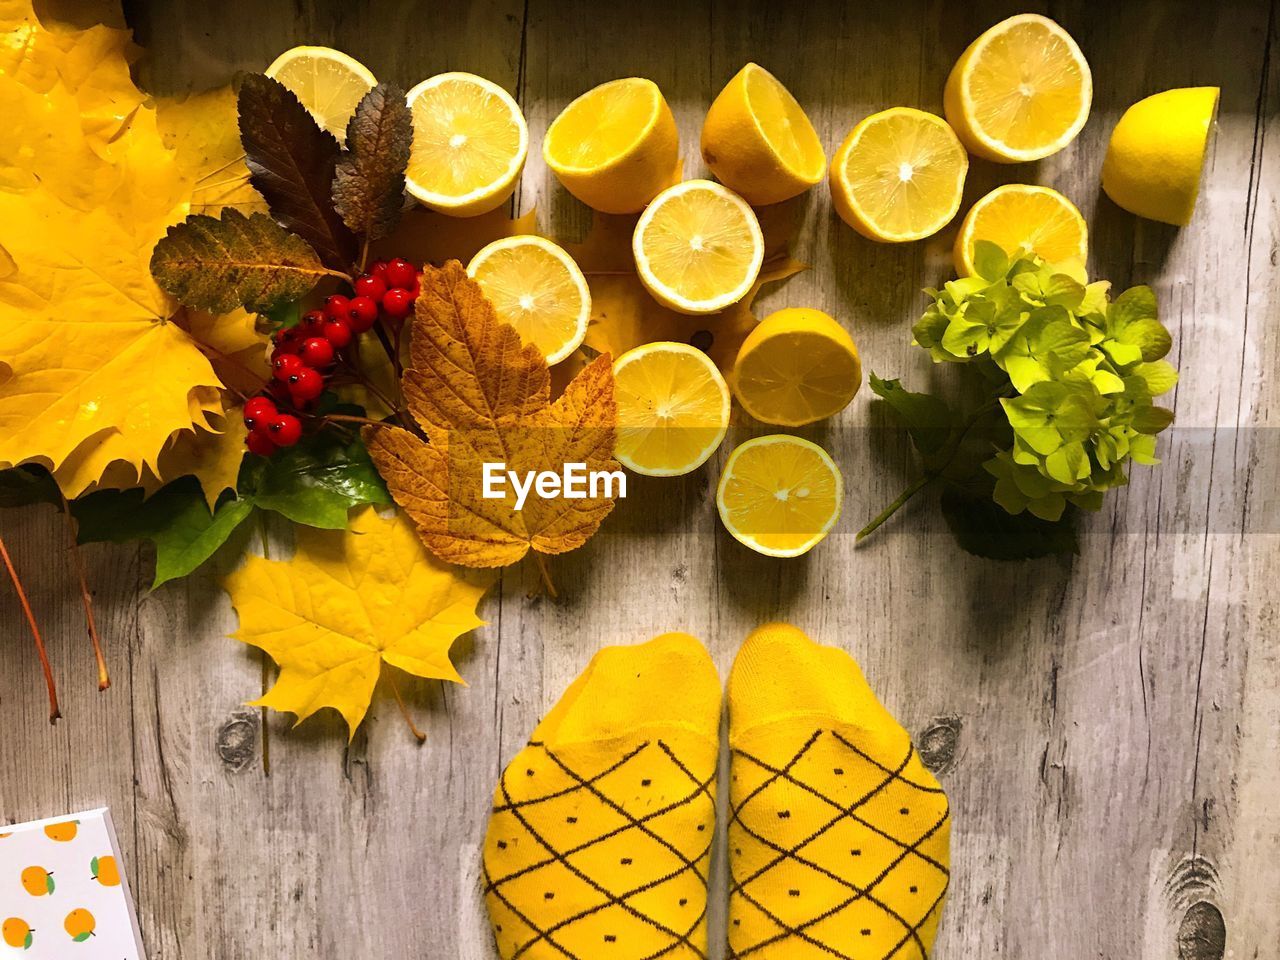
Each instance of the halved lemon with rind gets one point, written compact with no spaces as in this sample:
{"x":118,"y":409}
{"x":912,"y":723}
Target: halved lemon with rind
{"x":796,"y":367}
{"x":780,"y":495}
{"x":758,"y":140}
{"x":698,"y":247}
{"x":1021,"y":92}
{"x":673,"y":408}
{"x":616,"y":147}
{"x":1023,"y":216}
{"x":328,"y":82}
{"x":470,"y":141}
{"x":899,"y":175}
{"x":535,"y":286}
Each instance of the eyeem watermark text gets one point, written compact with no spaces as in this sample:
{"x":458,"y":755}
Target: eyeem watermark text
{"x":575,"y":483}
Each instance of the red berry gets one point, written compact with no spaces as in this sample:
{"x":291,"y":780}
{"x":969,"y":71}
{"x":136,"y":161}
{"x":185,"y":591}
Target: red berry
{"x":370,"y":286}
{"x":285,"y":365}
{"x":284,"y":429}
{"x":397,"y":303}
{"x":337,"y":332}
{"x":305,"y":385}
{"x":260,"y":442}
{"x":377,"y":269}
{"x":311,"y":324}
{"x":316,"y":353}
{"x":362,"y":312}
{"x":287,"y":340}
{"x":400,"y":273}
{"x":336,"y":306}
{"x":255,"y":408}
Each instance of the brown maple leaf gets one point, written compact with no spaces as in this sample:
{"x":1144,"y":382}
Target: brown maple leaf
{"x":481,"y":397}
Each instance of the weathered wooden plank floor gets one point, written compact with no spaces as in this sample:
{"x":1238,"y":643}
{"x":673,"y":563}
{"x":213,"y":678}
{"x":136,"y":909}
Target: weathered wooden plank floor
{"x":1107,"y":728}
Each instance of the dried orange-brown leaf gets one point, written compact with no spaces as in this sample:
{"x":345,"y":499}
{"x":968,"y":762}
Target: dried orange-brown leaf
{"x":483,"y":398}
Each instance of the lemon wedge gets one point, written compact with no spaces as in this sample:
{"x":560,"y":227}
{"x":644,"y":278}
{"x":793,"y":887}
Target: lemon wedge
{"x":673,"y":408}
{"x":470,"y":141}
{"x":328,"y":82}
{"x":698,"y":247}
{"x":780,"y":495}
{"x":616,"y":146}
{"x":796,"y":367}
{"x":758,"y":140}
{"x":535,"y":286}
{"x":1156,"y":155}
{"x":1020,"y":92}
{"x":1019,"y":215}
{"x":899,"y":175}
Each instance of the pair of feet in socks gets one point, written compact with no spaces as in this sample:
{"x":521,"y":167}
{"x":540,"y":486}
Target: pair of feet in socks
{"x":599,"y":845}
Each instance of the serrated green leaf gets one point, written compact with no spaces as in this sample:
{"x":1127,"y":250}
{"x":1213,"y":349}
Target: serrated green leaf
{"x":990,"y":261}
{"x":928,"y":419}
{"x":218,"y":264}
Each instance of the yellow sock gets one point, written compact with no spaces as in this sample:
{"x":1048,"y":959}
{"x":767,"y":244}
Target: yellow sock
{"x":599,"y":844}
{"x":839,"y":837}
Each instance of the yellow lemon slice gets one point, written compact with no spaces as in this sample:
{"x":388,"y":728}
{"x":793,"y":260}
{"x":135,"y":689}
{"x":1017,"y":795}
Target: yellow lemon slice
{"x":780,"y":495}
{"x":673,"y":408}
{"x":1021,"y":215}
{"x":537,"y":288}
{"x":1156,"y":155}
{"x":899,"y":175}
{"x":796,"y":367}
{"x":758,"y":141}
{"x":1022,"y":91}
{"x":469,"y":144}
{"x":616,"y":146}
{"x":328,"y":82}
{"x":698,"y":247}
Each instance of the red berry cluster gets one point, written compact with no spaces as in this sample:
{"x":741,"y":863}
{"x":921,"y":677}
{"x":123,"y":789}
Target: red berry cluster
{"x":304,"y":354}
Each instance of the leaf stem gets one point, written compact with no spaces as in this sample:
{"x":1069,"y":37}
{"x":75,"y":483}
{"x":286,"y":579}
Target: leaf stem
{"x":545,"y":571}
{"x":104,"y":679}
{"x":348,"y":418}
{"x":404,"y":709}
{"x":54,"y":712}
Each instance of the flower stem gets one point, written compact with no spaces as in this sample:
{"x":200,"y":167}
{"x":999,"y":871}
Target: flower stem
{"x":54,"y":712}
{"x":919,"y":484}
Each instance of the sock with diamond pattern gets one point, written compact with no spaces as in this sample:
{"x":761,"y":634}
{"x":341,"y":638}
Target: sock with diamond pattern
{"x":599,"y":844}
{"x":839,"y":837}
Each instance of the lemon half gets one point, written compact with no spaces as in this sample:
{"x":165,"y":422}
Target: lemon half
{"x":329,"y":83}
{"x":1020,"y":215}
{"x":780,"y":495}
{"x":470,"y":141}
{"x":698,"y":247}
{"x":673,"y":408}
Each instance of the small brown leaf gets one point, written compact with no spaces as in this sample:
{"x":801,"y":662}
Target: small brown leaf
{"x":368,"y":189}
{"x":292,"y":163}
{"x":220,"y":264}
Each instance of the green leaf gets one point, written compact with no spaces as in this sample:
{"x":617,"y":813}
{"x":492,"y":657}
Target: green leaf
{"x":1133,"y":319}
{"x":49,"y":885}
{"x":93,"y":867}
{"x":236,"y":261}
{"x":28,"y":940}
{"x":928,"y":419}
{"x":194,"y":536}
{"x":1159,"y":376}
{"x":81,"y":937}
{"x":990,"y":260}
{"x":1063,"y":344}
{"x":1064,"y":291}
{"x":983,"y":528}
{"x":1151,"y":420}
{"x":315,"y":482}
{"x":1122,"y":354}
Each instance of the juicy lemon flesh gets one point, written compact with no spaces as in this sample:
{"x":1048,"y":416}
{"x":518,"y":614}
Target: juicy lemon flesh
{"x":1037,"y":221}
{"x":699,"y":245}
{"x":328,"y":88}
{"x":671,"y":411}
{"x":784,"y":124}
{"x":902,"y":174}
{"x":464,"y":139}
{"x":781,"y":496}
{"x":602,"y":125}
{"x":1026,"y":87}
{"x":797,"y":378}
{"x":531,"y":289}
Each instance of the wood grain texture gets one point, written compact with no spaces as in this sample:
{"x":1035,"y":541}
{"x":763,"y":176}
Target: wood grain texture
{"x":1107,"y":727}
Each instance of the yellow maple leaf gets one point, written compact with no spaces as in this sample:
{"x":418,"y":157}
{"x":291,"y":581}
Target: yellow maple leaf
{"x":346,"y":603}
{"x":203,"y":129}
{"x":624,"y":315}
{"x":481,"y":397}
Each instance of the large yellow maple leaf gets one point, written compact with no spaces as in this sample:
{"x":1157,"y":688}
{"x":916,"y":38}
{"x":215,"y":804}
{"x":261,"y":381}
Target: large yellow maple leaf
{"x":348,"y":602}
{"x":482,"y":397}
{"x":203,"y":129}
